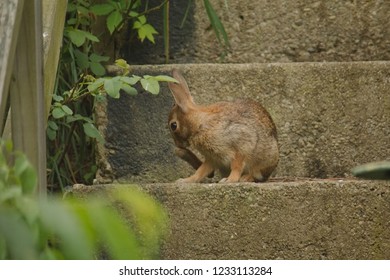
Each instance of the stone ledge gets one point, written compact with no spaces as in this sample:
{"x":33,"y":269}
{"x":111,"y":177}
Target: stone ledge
{"x":309,"y":219}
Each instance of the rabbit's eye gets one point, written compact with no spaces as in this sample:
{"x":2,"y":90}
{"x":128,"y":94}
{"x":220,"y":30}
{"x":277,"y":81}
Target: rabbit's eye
{"x":173,"y":126}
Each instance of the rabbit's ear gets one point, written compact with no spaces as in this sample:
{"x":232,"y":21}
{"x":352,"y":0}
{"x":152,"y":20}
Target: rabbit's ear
{"x":181,"y":92}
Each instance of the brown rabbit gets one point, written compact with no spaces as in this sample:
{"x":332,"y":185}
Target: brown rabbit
{"x":237,"y":138}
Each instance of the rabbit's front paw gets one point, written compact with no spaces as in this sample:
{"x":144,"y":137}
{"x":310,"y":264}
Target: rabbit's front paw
{"x":227,"y":180}
{"x":184,"y":180}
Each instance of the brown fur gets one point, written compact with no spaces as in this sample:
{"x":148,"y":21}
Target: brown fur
{"x":237,"y":138}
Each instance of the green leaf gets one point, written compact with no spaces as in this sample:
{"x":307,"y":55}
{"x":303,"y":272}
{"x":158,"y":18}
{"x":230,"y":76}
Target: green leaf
{"x":102,"y":9}
{"x":57,"y":98}
{"x":216,"y":24}
{"x":96,"y":84}
{"x":83,"y":10}
{"x":60,"y":219}
{"x":92,"y":132}
{"x":29,"y":180}
{"x":120,"y":239}
{"x":147,"y":31}
{"x":97,"y":68}
{"x":133,"y":14}
{"x":81,"y":59}
{"x":67,"y":110}
{"x":98,"y":58}
{"x":150,"y":85}
{"x":3,"y":248}
{"x":51,"y":133}
{"x":17,"y":236}
{"x":142,"y":20}
{"x":129,"y":89}
{"x":114,"y":20}
{"x":76,"y":36}
{"x":112,"y":88}
{"x":122,"y":63}
{"x":164,"y":78}
{"x":130,"y":80}
{"x":91,"y":37}
{"x":10,"y":193}
{"x":373,"y":170}
{"x":151,"y":219}
{"x":71,"y":21}
{"x":77,"y":117}
{"x":71,"y":7}
{"x":137,"y":25}
{"x":58,"y":113}
{"x":52,"y":125}
{"x":26,"y":173}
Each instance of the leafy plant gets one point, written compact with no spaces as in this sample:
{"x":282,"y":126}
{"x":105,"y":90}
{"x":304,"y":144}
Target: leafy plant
{"x":71,"y":129}
{"x":72,"y":229}
{"x":217,"y":25}
{"x":81,"y":80}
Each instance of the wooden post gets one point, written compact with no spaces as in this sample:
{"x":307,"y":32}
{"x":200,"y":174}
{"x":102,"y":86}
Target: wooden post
{"x":54,"y":13}
{"x":26,"y":89}
{"x":10,"y":18}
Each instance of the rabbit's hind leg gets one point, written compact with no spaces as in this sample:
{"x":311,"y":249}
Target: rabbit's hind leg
{"x":247,"y":178}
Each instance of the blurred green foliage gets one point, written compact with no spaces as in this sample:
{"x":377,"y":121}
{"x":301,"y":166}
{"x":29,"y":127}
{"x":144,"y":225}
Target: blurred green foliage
{"x":373,"y":171}
{"x":125,"y":224}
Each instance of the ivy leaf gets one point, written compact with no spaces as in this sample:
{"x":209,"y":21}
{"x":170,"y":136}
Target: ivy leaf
{"x":142,"y":20}
{"x":147,"y":31}
{"x":150,"y":85}
{"x":92,"y":132}
{"x":114,"y":20}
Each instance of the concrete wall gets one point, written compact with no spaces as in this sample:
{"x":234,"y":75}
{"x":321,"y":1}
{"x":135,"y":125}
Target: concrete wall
{"x":330,"y":117}
{"x":294,"y":220}
{"x":274,"y":31}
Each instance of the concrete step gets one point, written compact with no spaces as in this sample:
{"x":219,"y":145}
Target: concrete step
{"x":330,"y":117}
{"x":266,"y":31}
{"x":303,"y":219}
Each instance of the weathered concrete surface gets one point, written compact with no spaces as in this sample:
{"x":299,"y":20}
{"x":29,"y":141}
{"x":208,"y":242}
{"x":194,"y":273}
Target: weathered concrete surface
{"x":276,"y":31}
{"x":280,"y":220}
{"x":330,"y":117}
